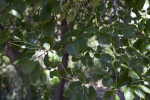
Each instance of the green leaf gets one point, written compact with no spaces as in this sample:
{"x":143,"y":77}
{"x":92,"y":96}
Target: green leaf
{"x":129,"y":3}
{"x":28,"y":67}
{"x":106,"y":82}
{"x":54,"y":81}
{"x":104,"y":41}
{"x":128,"y":32}
{"x":75,"y":86}
{"x":97,"y":55}
{"x":52,"y":60}
{"x":46,"y":46}
{"x":45,"y":14}
{"x":144,"y":88}
{"x":95,"y":3}
{"x":4,"y":37}
{"x":138,"y":44}
{"x":133,"y":75}
{"x":75,"y":96}
{"x":44,"y":76}
{"x":139,"y":92}
{"x":70,"y":17}
{"x":2,"y":4}
{"x":139,"y":4}
{"x":48,"y":40}
{"x":87,"y":61}
{"x":56,"y":7}
{"x":91,"y":93}
{"x":27,"y":26}
{"x":124,"y":42}
{"x":44,"y":2}
{"x":47,"y":29}
{"x":147,"y":25}
{"x":32,"y":40}
{"x":66,"y":37}
{"x":16,"y":13}
{"x":90,"y":30}
{"x":116,"y":97}
{"x":67,"y":93}
{"x":108,"y":95}
{"x":2,"y":47}
{"x":21,"y":61}
{"x":124,"y":80}
{"x":104,"y":30}
{"x":129,"y":94}
{"x":81,"y":44}
{"x":19,"y":5}
{"x":4,"y":17}
{"x":71,"y":49}
{"x":106,"y":58}
{"x":147,"y":47}
{"x":34,"y":75}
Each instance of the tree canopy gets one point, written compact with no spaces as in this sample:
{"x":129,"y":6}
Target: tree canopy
{"x":111,"y":38}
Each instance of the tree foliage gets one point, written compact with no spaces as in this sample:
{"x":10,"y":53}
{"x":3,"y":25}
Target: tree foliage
{"x":119,"y":28}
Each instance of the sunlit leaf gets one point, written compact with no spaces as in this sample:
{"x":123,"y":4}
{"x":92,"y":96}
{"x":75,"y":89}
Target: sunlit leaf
{"x":129,"y":94}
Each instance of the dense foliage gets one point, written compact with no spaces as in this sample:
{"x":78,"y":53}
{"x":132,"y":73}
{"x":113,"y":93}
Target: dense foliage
{"x":115,"y":33}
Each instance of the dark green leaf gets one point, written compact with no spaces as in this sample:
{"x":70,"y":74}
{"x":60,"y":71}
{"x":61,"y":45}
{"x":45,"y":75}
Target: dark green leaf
{"x":2,"y":47}
{"x":21,"y":61}
{"x":66,"y":37}
{"x":56,"y":7}
{"x":4,"y":17}
{"x":34,"y":75}
{"x":75,"y":86}
{"x":106,"y":82}
{"x":128,"y":32}
{"x":104,"y":41}
{"x":26,"y":25}
{"x":75,"y":96}
{"x":2,"y":4}
{"x":87,"y":61}
{"x":45,"y":14}
{"x":106,"y":58}
{"x":32,"y":40}
{"x":71,"y":49}
{"x":108,"y":95}
{"x":139,"y":4}
{"x":81,"y":44}
{"x":3,"y":37}
{"x":124,"y":80}
{"x":104,"y":30}
{"x":67,"y":93}
{"x":147,"y":25}
{"x":124,"y":41}
{"x":52,"y":60}
{"x":47,"y":29}
{"x":91,"y":93}
{"x":28,"y":66}
{"x":20,"y":5}
{"x":138,"y":44}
